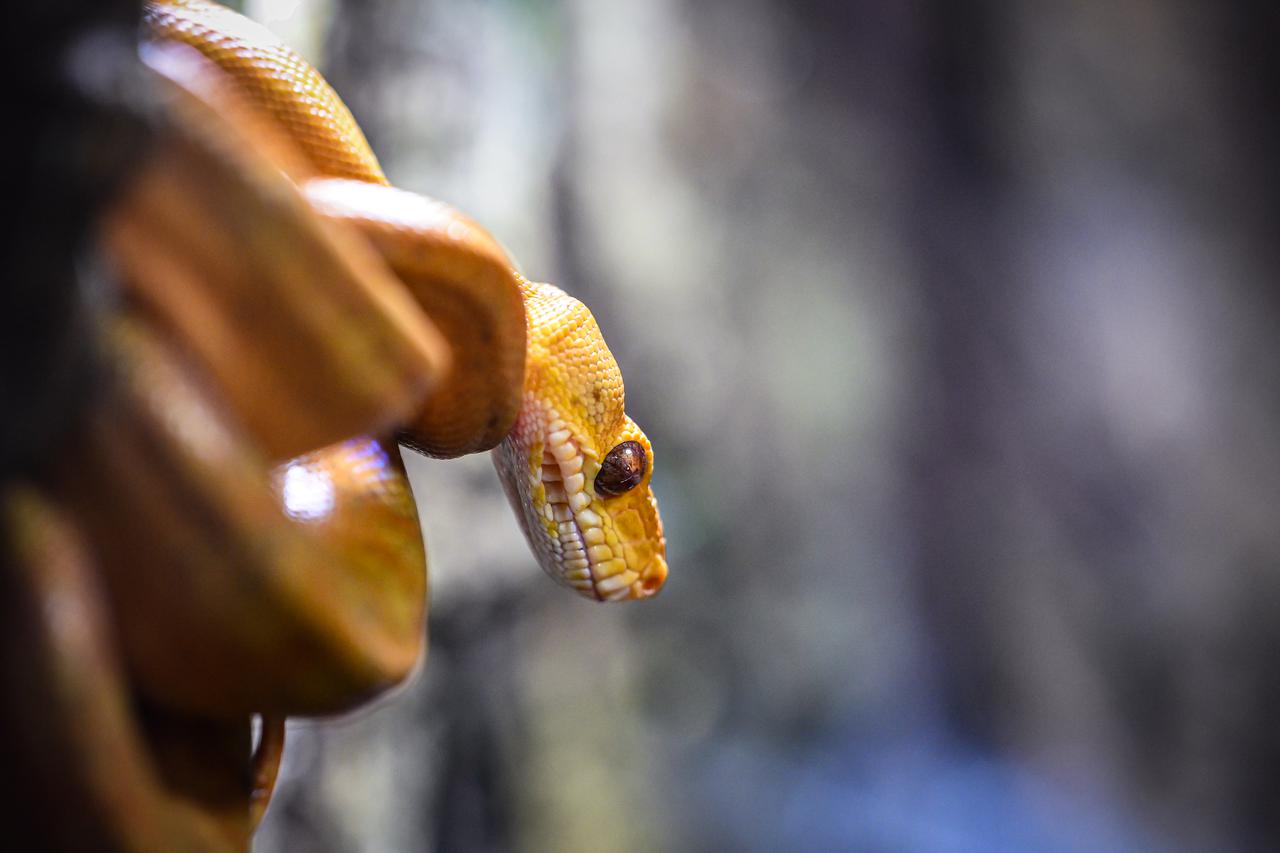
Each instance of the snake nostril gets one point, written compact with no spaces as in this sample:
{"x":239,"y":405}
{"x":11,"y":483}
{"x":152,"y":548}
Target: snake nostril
{"x":623,"y":469}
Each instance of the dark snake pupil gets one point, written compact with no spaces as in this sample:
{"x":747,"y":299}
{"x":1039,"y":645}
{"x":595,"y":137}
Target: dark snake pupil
{"x":622,"y":470}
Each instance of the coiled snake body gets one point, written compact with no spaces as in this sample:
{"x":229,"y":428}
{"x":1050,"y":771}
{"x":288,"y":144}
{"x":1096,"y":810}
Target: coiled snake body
{"x":530,"y":372}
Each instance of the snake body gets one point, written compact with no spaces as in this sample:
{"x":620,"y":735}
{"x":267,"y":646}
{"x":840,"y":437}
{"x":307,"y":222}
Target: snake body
{"x":532,"y":378}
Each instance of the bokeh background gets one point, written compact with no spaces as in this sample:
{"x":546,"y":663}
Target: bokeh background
{"x":954,"y":326}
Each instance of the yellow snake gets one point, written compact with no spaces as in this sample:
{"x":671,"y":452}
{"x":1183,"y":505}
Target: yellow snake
{"x":227,"y":528}
{"x":530,"y":373}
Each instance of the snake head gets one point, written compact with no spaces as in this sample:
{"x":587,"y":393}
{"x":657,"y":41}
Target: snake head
{"x":576,"y":469}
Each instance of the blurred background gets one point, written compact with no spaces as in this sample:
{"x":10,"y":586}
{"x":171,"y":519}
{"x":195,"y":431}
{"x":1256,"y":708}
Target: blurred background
{"x":954,"y":329}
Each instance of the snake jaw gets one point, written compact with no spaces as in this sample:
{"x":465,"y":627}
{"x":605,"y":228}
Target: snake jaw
{"x":606,"y":549}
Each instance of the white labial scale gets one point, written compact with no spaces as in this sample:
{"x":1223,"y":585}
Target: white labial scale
{"x":617,"y":583}
{"x":609,"y":568}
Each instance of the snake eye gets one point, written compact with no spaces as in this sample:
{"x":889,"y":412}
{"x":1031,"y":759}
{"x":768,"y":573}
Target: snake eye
{"x":623,"y":469}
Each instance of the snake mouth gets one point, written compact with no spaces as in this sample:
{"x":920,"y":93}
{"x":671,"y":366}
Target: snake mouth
{"x":578,"y":537}
{"x":587,"y":552}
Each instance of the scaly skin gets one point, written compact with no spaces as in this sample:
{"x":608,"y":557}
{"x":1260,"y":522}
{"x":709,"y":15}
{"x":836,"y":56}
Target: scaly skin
{"x":553,"y":397}
{"x":606,"y":547}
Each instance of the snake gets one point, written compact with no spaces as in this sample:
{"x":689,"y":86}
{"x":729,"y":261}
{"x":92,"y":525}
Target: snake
{"x":547,"y":399}
{"x":229,"y":511}
{"x":549,"y":403}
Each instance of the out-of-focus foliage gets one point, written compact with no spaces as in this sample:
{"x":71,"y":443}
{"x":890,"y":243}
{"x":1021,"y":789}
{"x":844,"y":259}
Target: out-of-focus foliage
{"x":953,"y":327}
